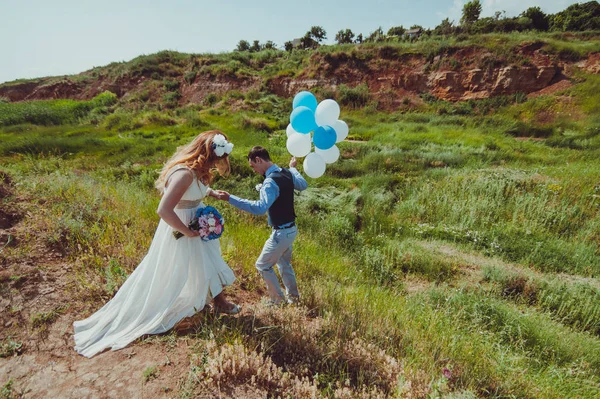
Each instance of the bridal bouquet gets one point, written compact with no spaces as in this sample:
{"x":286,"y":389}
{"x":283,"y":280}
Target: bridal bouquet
{"x":208,"y":221}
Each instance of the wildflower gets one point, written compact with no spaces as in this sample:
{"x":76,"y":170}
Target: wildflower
{"x":447,"y":373}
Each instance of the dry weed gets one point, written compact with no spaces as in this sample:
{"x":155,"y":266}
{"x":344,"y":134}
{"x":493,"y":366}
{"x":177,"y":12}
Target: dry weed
{"x":233,"y":364}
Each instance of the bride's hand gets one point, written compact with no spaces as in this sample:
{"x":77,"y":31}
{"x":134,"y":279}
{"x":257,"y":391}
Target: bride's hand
{"x":222,"y":195}
{"x":192,"y":233}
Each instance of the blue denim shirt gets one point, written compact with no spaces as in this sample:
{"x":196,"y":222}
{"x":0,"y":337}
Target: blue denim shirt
{"x":268,"y":193}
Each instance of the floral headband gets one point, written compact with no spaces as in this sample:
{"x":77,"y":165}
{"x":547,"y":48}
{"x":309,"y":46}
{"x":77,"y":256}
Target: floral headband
{"x":221,"y":146}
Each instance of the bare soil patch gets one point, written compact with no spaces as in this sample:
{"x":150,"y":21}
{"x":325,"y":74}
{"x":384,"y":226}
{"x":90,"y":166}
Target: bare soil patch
{"x":553,"y":88}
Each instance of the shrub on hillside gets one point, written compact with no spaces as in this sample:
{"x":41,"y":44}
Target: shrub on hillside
{"x":325,"y":92}
{"x":354,"y":97}
{"x":171,"y":85}
{"x":253,"y":95}
{"x":211,"y":99}
{"x":105,"y":99}
{"x":189,"y":77}
{"x":235,"y":95}
{"x":171,"y":99}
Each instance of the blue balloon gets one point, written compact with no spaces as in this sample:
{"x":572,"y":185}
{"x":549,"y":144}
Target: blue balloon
{"x":305,"y":99}
{"x":324,"y":137}
{"x":303,"y":119}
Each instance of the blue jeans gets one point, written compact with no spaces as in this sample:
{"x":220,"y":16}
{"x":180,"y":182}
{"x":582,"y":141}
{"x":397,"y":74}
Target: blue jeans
{"x":278,"y":251}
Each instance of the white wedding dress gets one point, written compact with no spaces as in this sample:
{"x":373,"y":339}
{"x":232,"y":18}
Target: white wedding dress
{"x":175,"y":279}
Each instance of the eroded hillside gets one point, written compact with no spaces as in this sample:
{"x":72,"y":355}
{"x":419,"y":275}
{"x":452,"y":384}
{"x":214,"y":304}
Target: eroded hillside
{"x":391,"y":74}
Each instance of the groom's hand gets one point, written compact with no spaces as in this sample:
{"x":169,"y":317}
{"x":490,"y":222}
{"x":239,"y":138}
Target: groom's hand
{"x":222,"y":195}
{"x":293,"y":162}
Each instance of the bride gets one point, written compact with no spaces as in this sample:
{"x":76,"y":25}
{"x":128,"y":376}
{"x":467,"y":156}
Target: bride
{"x":177,"y":277}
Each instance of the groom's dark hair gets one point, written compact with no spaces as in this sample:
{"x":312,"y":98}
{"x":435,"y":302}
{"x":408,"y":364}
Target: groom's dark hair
{"x":259,"y":152}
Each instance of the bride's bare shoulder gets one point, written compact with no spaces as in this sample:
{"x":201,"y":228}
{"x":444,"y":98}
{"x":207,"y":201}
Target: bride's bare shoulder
{"x":182,"y":175}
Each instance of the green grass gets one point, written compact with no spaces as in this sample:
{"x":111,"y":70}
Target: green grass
{"x":42,"y":319}
{"x":573,"y":303}
{"x":52,"y":112}
{"x":438,"y":242}
{"x":7,"y":391}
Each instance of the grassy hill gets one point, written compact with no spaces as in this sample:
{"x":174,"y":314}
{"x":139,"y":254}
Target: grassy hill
{"x":452,"y":251}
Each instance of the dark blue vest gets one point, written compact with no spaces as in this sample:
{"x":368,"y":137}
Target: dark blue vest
{"x":282,"y":210}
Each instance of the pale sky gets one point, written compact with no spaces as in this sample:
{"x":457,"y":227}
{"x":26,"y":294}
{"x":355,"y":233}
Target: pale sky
{"x":59,"y":37}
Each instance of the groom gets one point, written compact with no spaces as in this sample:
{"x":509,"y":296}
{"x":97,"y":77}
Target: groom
{"x":277,"y":199}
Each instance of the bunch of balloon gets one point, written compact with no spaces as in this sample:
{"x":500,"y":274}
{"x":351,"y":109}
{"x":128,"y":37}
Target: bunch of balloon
{"x":320,"y":119}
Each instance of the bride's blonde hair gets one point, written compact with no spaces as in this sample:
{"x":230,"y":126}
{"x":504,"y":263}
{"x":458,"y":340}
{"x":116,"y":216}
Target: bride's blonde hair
{"x":199,"y":156}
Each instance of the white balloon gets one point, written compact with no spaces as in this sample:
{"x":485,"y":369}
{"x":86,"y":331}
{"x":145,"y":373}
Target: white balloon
{"x":314,"y":165}
{"x":329,"y":155}
{"x":289,"y":130}
{"x":341,"y":130}
{"x":327,"y":113}
{"x":298,"y":144}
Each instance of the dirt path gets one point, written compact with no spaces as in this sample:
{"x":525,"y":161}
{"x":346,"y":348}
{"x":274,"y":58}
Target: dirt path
{"x":46,"y":366}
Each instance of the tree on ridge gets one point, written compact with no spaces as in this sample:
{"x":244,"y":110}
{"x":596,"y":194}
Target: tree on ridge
{"x":471,"y":12}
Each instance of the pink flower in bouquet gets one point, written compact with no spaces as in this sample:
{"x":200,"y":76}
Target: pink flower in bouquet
{"x":204,"y":231}
{"x":218,"y":229}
